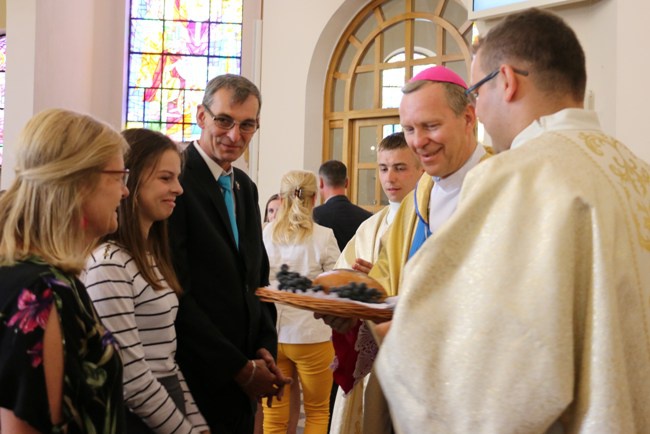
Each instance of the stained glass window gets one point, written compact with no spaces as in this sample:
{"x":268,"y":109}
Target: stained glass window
{"x":3,"y":69}
{"x":175,"y":48}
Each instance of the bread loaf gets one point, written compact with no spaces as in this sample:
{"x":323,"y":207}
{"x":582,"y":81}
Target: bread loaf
{"x":341,"y":277}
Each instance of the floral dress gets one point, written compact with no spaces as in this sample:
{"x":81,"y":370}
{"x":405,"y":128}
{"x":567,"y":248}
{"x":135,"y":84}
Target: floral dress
{"x":92,"y":373}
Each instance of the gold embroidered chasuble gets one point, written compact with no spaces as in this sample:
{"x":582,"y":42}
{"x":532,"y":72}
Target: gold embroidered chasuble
{"x":366,"y":241}
{"x":529,"y":310}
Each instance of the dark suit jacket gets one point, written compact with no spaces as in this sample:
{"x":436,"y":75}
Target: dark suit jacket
{"x":342,"y":216}
{"x":220,"y":323}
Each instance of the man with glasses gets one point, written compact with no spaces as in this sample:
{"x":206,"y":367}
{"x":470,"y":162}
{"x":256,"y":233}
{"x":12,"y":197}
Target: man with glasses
{"x":226,"y":337}
{"x":530,"y":310}
{"x":439,"y":124}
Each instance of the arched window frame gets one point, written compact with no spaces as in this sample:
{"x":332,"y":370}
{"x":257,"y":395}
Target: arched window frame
{"x":345,"y":125}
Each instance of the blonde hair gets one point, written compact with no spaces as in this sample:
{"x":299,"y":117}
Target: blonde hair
{"x":59,"y":157}
{"x":294,"y":222}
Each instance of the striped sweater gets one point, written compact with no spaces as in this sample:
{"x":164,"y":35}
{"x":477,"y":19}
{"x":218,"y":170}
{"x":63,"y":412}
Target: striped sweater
{"x":142,"y":321}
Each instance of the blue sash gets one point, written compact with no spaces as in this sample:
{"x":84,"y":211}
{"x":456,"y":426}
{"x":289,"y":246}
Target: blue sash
{"x":422,"y":231}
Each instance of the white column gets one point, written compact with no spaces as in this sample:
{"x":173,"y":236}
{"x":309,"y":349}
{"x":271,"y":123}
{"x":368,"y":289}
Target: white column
{"x":62,"y":53}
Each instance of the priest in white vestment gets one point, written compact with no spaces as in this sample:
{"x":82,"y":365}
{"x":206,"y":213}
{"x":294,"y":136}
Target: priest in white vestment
{"x":529,"y":310}
{"x":439,"y":126}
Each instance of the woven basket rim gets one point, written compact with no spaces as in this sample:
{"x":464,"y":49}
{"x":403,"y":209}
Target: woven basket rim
{"x":338,"y":307}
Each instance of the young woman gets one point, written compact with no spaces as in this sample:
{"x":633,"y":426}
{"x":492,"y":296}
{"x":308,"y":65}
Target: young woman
{"x":271,"y":209}
{"x":59,"y":367}
{"x":303,"y":342}
{"x":270,"y":212}
{"x":135,"y":291}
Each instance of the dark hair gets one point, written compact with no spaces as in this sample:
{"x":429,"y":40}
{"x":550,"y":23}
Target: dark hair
{"x":334,"y":173}
{"x":392,"y":142}
{"x":457,"y":100}
{"x":266,"y":208}
{"x":241,"y":86}
{"x":147,"y":148}
{"x":548,"y":48}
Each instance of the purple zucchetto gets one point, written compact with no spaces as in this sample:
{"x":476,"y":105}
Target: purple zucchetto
{"x":440,"y":74}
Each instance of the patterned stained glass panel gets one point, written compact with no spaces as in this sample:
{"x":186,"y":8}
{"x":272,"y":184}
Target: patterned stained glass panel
{"x":176,"y":47}
{"x":145,"y":36}
{"x":187,"y":72}
{"x":152,"y":106}
{"x":144,"y":70}
{"x":228,"y":11}
{"x":186,"y":37}
{"x":188,"y":10}
{"x":228,"y":65}
{"x":147,"y":9}
{"x":192,"y":99}
{"x":135,"y":108}
{"x":223,"y":42}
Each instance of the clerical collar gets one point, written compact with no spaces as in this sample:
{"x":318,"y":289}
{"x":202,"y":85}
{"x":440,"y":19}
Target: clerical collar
{"x":455,"y":180}
{"x":392,"y":210}
{"x":567,"y":119}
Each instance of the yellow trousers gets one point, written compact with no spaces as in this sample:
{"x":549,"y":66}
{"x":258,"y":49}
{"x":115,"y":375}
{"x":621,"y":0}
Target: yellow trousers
{"x":312,"y":361}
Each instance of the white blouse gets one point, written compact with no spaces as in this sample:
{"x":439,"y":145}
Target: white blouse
{"x":309,"y":258}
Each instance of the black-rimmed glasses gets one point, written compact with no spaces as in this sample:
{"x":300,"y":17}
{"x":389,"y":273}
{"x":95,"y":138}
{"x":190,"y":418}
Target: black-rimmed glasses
{"x":124,"y":173}
{"x":226,"y":123}
{"x":472,"y":91}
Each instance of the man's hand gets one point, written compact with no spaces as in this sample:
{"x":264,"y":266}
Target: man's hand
{"x":338,"y":324}
{"x":362,"y":265}
{"x":281,"y":381}
{"x":256,"y":379}
{"x":263,"y":380}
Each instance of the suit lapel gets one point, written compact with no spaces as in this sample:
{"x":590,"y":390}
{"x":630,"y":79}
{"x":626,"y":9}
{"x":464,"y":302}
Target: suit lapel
{"x":240,"y":205}
{"x":210,"y":187}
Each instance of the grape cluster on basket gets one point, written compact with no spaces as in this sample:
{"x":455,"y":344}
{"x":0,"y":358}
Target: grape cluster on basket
{"x":358,"y":291}
{"x":294,"y":282}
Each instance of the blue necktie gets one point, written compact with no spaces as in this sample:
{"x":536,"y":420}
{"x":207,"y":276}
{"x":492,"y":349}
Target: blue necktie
{"x":226,"y":189}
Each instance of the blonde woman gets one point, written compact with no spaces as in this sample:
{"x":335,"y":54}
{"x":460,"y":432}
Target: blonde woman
{"x":59,"y":367}
{"x":304,"y":343}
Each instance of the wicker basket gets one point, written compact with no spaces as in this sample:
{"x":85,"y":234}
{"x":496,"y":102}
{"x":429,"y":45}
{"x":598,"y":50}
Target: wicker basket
{"x":326,"y":306}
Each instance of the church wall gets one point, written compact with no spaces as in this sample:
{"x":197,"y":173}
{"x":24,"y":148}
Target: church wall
{"x":608,"y":29}
{"x":297,"y":41}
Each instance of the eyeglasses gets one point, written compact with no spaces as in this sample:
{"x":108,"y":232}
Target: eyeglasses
{"x":124,"y":173}
{"x":226,"y":123}
{"x":472,"y":91}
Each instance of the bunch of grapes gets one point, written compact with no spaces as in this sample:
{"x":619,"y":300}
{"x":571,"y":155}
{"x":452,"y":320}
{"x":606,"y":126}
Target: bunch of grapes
{"x":292,"y":281}
{"x":358,"y":291}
